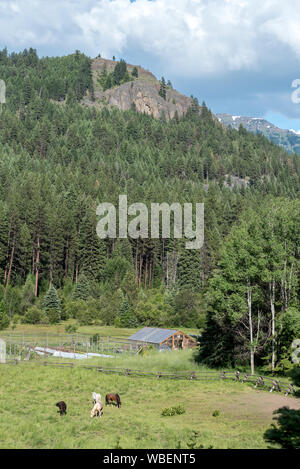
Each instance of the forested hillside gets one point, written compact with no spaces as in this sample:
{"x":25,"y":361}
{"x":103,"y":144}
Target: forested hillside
{"x":59,"y":159}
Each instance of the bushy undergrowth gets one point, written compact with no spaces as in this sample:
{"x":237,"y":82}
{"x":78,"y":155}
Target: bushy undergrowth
{"x":175,"y":410}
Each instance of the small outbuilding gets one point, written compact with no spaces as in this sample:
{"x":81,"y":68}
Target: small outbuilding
{"x":169,"y":339}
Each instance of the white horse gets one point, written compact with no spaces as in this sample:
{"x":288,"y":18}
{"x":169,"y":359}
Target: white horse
{"x":97,"y":410}
{"x":96,"y":397}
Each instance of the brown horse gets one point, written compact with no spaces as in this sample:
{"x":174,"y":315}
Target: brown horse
{"x":113,"y":398}
{"x":62,"y":407}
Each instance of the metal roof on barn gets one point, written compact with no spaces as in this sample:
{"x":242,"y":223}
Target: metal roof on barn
{"x":153,"y":335}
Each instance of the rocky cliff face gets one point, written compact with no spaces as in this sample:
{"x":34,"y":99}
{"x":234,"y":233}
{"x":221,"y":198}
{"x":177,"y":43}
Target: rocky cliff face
{"x":145,"y":98}
{"x":142,"y":93}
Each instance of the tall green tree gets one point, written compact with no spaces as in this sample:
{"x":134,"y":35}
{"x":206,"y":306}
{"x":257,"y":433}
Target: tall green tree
{"x":52,"y":305}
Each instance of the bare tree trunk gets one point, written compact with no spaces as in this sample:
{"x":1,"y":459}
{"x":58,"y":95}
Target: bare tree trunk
{"x":150,"y":273}
{"x":249,"y":301}
{"x":51,"y":278}
{"x":67,"y":261}
{"x":289,"y":288}
{"x":6,"y":259}
{"x":32,"y":269}
{"x":167,"y":273}
{"x":37,"y":267}
{"x":136,"y":263}
{"x":272,"y":303}
{"x":141,"y":266}
{"x":11,"y":262}
{"x":146,"y":273}
{"x":258,"y":326}
{"x":162,"y":260}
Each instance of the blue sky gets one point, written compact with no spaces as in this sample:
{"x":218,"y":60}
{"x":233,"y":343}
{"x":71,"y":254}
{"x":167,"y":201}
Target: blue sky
{"x":239,"y":56}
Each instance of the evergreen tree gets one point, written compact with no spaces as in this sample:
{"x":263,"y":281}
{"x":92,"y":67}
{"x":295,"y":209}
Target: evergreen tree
{"x":127,"y":318}
{"x":135,"y":72}
{"x":52,"y":305}
{"x":82,"y":288}
{"x":287,"y":433}
{"x":163,"y":89}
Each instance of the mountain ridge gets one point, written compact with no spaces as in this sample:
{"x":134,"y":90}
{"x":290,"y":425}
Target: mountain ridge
{"x":288,"y":139}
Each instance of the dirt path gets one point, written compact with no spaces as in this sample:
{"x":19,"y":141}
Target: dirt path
{"x":260,"y":405}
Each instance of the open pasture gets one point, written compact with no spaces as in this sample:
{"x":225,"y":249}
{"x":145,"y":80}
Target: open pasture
{"x":29,"y":418}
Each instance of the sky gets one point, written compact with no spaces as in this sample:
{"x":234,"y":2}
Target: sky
{"x":239,"y":56}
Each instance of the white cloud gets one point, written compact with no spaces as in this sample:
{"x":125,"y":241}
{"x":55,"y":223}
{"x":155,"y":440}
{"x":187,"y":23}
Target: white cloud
{"x":194,"y":37}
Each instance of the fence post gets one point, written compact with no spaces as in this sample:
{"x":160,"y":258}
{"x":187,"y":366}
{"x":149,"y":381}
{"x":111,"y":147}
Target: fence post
{"x":2,"y":351}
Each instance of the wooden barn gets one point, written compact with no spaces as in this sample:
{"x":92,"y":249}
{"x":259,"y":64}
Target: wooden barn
{"x":168,"y":339}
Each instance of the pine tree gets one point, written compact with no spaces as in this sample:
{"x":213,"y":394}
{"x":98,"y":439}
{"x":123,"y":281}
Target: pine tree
{"x":127,"y":316}
{"x":52,"y":305}
{"x":82,"y":288}
{"x":135,"y":72}
{"x":163,"y":89}
{"x":189,"y":269}
{"x":93,"y":255}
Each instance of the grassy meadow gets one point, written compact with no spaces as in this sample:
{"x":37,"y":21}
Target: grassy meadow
{"x":60,"y":328}
{"x":29,"y":418}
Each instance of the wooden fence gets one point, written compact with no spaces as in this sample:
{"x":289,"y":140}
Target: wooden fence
{"x":18,"y":344}
{"x":260,"y":382}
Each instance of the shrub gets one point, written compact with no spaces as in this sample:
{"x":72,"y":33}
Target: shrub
{"x":71,"y":328}
{"x":175,"y":410}
{"x":44,"y":318}
{"x":193,"y":442}
{"x":87,"y":313}
{"x":16,"y":318}
{"x":53,"y":316}
{"x":127,"y":318}
{"x":32,"y":316}
{"x":4,"y":319}
{"x":94,"y":339}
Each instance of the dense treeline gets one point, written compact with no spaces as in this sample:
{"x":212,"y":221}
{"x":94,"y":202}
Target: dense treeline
{"x":60,"y":159}
{"x":253,"y":294}
{"x":30,"y":80}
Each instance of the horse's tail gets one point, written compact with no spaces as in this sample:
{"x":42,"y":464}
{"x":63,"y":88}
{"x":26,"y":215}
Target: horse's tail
{"x":106,"y":399}
{"x":118,"y":400}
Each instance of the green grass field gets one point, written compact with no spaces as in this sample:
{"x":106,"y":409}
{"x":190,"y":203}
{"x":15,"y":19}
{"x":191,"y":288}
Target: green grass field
{"x":103,"y":331}
{"x":29,"y":418}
